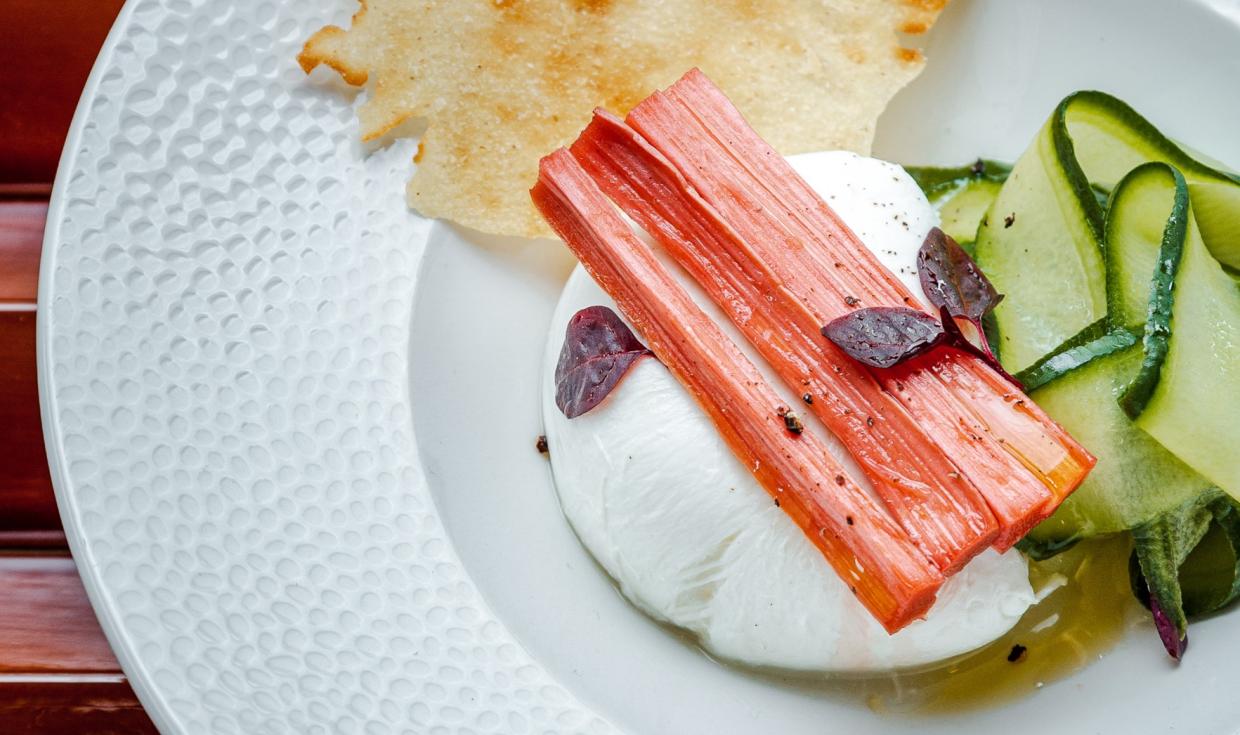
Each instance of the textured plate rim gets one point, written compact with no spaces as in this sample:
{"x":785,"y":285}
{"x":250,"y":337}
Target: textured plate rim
{"x":510,"y":669}
{"x":155,"y":705}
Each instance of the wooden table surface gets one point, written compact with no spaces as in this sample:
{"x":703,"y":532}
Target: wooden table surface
{"x":57,"y":673}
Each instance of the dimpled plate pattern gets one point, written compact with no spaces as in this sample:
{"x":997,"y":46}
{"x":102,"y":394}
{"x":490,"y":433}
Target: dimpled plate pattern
{"x":227,"y":286}
{"x":237,"y":311}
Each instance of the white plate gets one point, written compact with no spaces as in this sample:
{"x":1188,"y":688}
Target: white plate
{"x":291,"y":423}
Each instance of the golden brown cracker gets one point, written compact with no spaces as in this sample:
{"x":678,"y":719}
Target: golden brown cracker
{"x":500,"y":83}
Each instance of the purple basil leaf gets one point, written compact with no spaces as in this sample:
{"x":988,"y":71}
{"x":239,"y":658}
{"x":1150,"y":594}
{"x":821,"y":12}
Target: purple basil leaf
{"x":598,"y":350}
{"x":882,"y":336}
{"x":951,"y":279}
{"x":955,"y":284}
{"x":956,"y":338}
{"x":1168,"y":631}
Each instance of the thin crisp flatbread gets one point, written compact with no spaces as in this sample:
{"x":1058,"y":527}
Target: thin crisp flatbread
{"x":500,"y":83}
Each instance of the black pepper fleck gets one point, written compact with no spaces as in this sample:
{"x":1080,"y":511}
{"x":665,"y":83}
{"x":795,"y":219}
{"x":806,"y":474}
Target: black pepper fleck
{"x":852,"y":300}
{"x":849,"y":520}
{"x":978,"y":168}
{"x":1017,"y":654}
{"x":839,"y":479}
{"x":808,"y":398}
{"x":541,"y":445}
{"x":1009,"y":220}
{"x":792,"y":423}
{"x":869,"y":420}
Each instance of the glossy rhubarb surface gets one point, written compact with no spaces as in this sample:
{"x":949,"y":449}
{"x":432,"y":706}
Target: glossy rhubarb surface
{"x":870,"y":552}
{"x":918,"y":484}
{"x":1020,"y":460}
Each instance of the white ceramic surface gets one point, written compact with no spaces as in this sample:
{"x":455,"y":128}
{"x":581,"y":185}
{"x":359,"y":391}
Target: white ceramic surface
{"x":290,"y":423}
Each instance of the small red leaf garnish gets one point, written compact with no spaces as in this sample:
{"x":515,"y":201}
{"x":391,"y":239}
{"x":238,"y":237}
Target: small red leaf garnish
{"x":883,"y":336}
{"x":950,"y":278}
{"x":599,"y":348}
{"x":956,"y":338}
{"x":954,"y":283}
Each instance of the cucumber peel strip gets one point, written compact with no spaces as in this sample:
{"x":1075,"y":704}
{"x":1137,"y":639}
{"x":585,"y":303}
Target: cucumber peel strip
{"x":1141,"y":275}
{"x":1088,"y":145}
{"x":1092,"y":342}
{"x":1165,"y":207}
{"x":1136,"y":478}
{"x":1040,"y":243}
{"x":1094,"y":142}
{"x":1111,"y":139}
{"x":1186,"y":393}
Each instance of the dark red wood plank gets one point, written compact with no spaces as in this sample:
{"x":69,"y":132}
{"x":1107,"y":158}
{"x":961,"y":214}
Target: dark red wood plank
{"x":26,"y":499}
{"x":70,"y":705}
{"x":49,"y":48}
{"x":57,"y":673}
{"x":31,"y":541}
{"x":46,"y":623}
{"x":21,"y":242}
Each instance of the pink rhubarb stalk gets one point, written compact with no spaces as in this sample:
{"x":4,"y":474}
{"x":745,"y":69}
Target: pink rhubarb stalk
{"x":940,"y":510}
{"x":871,"y":554}
{"x":1023,"y":462}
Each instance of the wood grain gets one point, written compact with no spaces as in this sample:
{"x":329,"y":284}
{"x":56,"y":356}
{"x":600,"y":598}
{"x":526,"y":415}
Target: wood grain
{"x":26,"y":499}
{"x":46,"y":622}
{"x":49,"y":48}
{"x":57,"y":673}
{"x":70,"y":705}
{"x":21,"y":243}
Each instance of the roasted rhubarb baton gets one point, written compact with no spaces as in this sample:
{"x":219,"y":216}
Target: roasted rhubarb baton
{"x":887,"y":572}
{"x":1023,"y":462}
{"x":919,"y":485}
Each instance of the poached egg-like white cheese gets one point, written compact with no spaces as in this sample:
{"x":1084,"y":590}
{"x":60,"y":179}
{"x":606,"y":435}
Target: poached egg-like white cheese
{"x":692,"y":539}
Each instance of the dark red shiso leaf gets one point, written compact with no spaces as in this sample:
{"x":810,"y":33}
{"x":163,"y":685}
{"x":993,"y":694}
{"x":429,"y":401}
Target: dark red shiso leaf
{"x":883,"y":336}
{"x":951,"y":279}
{"x":954,"y":283}
{"x":599,"y":348}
